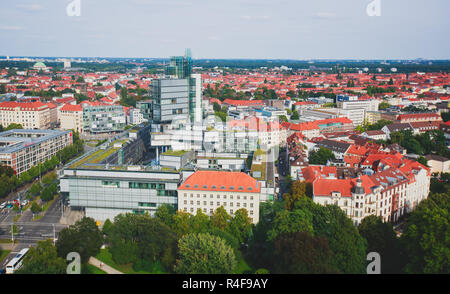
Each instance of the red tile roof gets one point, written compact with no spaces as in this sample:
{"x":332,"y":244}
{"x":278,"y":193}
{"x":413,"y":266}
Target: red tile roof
{"x":24,"y":106}
{"x":324,"y":187}
{"x":70,"y":107}
{"x":221,"y":181}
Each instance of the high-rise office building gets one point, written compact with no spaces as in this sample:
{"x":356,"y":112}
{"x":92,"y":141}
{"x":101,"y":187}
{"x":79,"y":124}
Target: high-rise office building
{"x":178,"y":94}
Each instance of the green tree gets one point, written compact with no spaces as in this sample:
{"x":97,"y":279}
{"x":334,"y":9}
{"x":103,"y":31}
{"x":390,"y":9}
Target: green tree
{"x":423,"y":160}
{"x":165,"y":214}
{"x":83,"y":237}
{"x":35,"y":208}
{"x":43,"y":259}
{"x":348,"y":246}
{"x":107,"y":227}
{"x":297,"y":220}
{"x":295,"y":115}
{"x":382,"y":239}
{"x":142,"y":240}
{"x":301,"y":253}
{"x":321,"y":156}
{"x":383,"y":105}
{"x":49,"y":178}
{"x":13,"y":126}
{"x":298,"y":189}
{"x":283,"y":118}
{"x":181,"y":223}
{"x":240,"y":225}
{"x":220,"y":218}
{"x":426,"y":238}
{"x":35,"y":188}
{"x":216,"y":107}
{"x":204,"y":254}
{"x":24,"y":177}
{"x":199,"y":223}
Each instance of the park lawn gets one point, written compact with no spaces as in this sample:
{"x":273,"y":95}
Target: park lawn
{"x":242,"y":266}
{"x":106,"y":257}
{"x":3,"y":254}
{"x":93,"y":270}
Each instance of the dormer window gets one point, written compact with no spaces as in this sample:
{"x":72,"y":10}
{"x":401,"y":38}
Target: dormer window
{"x":231,"y":187}
{"x":205,"y":186}
{"x":188,"y":186}
{"x":195,"y":186}
{"x":222,"y":187}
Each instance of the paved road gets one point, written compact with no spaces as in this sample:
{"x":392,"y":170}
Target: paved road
{"x":53,"y":213}
{"x":29,"y":232}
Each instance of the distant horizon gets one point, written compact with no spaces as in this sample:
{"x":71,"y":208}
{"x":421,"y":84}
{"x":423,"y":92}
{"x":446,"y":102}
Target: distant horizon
{"x":220,"y":58}
{"x":237,"y":29}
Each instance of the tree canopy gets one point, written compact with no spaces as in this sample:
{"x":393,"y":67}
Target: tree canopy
{"x":204,"y":254}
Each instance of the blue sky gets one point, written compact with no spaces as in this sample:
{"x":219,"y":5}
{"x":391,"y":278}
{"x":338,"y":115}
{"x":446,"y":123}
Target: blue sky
{"x":293,"y":29}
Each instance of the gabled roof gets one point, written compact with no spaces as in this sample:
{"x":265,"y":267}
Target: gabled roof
{"x":325,"y":187}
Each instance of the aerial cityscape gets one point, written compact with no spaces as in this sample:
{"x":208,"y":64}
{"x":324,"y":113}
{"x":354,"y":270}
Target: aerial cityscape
{"x":214,"y":161}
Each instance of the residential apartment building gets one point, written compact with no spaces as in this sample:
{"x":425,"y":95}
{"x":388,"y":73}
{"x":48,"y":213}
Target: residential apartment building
{"x":438,"y":164}
{"x":25,"y":148}
{"x":209,"y":190}
{"x":31,"y":115}
{"x":367,"y":105}
{"x":135,"y":117}
{"x":419,"y":117}
{"x":389,"y":193}
{"x":71,"y":117}
{"x":375,"y":135}
{"x":103,"y":118}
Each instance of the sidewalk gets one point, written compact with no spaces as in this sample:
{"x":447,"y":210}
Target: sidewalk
{"x":104,"y":267}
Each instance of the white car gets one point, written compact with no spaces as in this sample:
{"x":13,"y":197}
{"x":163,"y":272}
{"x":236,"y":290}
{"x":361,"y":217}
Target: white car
{"x":3,"y":205}
{"x":25,"y":202}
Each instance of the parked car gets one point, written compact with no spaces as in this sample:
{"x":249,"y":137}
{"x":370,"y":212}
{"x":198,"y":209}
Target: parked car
{"x":3,"y":205}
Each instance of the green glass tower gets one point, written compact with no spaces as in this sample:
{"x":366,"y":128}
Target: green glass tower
{"x":179,"y":93}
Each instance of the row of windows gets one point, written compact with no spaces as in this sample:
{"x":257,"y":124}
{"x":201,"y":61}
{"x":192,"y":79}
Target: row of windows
{"x":211,"y":211}
{"x":211,"y":203}
{"x":138,"y":185}
{"x":238,"y":197}
{"x":160,"y":188}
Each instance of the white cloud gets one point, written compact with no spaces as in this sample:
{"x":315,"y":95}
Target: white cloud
{"x":213,"y":38}
{"x":326,"y":15}
{"x":255,"y":17}
{"x":30,"y":7}
{"x":10,"y":28}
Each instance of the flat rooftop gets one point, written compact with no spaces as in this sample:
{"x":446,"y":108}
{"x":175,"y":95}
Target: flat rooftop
{"x":15,"y":140}
{"x":93,"y":158}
